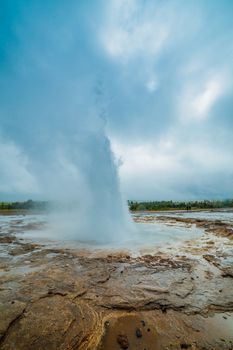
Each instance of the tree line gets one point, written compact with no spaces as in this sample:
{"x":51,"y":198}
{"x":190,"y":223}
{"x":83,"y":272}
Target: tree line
{"x":26,"y":205}
{"x":180,"y":205}
{"x":133,"y":205}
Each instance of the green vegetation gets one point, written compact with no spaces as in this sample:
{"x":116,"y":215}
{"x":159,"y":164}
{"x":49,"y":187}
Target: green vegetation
{"x":27,"y":205}
{"x":170,"y":205}
{"x":133,"y":205}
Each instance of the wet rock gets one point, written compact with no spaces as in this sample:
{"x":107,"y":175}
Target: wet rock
{"x":185,"y":346}
{"x":164,"y":309}
{"x":23,"y":248}
{"x":227,"y":272}
{"x":66,"y":305}
{"x":122,"y":340}
{"x":138,"y":333}
{"x":49,"y":322}
{"x":210,"y":258}
{"x":7,"y":239}
{"x":106,"y":324}
{"x":10,"y":313}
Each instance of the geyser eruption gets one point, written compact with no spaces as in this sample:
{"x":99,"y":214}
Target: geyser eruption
{"x":55,"y":127}
{"x":87,"y":190}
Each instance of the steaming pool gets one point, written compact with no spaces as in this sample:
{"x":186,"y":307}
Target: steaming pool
{"x":35,"y":228}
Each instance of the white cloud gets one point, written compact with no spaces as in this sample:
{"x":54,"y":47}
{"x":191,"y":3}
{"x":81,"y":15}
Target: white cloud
{"x":15,"y":172}
{"x":168,"y":169}
{"x":206,"y":99}
{"x":128,"y":33}
{"x":200,"y":92}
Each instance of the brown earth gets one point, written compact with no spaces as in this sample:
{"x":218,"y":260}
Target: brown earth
{"x":54,"y":298}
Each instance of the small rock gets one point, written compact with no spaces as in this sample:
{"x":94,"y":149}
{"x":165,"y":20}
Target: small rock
{"x":143,"y":323}
{"x":138,"y":333}
{"x":185,"y":346}
{"x":224,"y":317}
{"x":122,"y":340}
{"x":148,"y":329}
{"x":164,"y":309}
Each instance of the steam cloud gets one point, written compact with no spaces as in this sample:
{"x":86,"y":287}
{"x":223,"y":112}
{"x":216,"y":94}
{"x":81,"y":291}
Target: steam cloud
{"x":53,"y":131}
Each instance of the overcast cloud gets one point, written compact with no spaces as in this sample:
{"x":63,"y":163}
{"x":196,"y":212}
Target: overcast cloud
{"x":166,"y":74}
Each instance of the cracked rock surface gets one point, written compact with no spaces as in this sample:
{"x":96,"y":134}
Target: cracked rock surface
{"x":72,"y":298}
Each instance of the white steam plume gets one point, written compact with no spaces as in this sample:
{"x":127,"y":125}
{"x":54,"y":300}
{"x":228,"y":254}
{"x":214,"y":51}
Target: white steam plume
{"x":57,"y":124}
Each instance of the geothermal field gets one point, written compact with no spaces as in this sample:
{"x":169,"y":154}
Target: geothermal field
{"x":166,"y":285}
{"x":116,"y":175}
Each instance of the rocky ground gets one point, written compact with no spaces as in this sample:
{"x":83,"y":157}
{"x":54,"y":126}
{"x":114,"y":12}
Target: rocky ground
{"x":172,"y":298}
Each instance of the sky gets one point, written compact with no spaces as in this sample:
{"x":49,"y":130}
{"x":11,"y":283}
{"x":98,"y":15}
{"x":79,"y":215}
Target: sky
{"x":154,"y":77}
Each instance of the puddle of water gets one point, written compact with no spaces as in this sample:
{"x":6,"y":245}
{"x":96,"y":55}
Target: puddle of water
{"x":129,"y":329}
{"x":222,"y":323}
{"x":144,"y":236}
